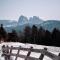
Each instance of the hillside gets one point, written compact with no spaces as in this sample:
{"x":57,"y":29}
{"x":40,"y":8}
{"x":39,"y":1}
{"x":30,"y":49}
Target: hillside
{"x":50,"y":25}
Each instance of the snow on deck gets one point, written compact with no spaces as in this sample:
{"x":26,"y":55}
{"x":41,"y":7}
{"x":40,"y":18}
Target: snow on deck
{"x":51,"y":49}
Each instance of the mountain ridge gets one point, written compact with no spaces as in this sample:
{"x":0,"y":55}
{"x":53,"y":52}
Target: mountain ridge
{"x":24,"y":21}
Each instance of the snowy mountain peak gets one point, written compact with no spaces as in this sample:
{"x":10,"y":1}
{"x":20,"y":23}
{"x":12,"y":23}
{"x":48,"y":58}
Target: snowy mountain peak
{"x":35,"y":20}
{"x":22,"y":19}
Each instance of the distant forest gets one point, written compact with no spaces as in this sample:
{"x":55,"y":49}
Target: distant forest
{"x":32,"y":35}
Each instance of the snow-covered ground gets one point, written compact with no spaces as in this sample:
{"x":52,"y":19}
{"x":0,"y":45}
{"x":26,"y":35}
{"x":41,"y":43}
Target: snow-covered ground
{"x":51,"y":49}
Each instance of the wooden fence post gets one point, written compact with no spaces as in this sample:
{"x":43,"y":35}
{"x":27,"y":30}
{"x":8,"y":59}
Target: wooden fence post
{"x":17,"y":53}
{"x":7,"y":56}
{"x":29,"y":52}
{"x":42,"y":55}
{"x":59,"y":54}
{"x":11,"y":52}
{"x":3,"y":50}
{"x":11,"y":49}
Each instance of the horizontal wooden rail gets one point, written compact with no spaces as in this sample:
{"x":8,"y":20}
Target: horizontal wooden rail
{"x":23,"y":56}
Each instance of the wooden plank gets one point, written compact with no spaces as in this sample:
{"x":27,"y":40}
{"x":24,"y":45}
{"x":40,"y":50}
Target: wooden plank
{"x":11,"y":49}
{"x":4,"y":49}
{"x":42,"y":55}
{"x":29,"y":52}
{"x":23,"y":56}
{"x":7,"y":57}
{"x":59,"y":54}
{"x":17,"y":53}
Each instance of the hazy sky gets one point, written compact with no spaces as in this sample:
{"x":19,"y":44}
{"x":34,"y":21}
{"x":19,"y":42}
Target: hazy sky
{"x":45,"y":9}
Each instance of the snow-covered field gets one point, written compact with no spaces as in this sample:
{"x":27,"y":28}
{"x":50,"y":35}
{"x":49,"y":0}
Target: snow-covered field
{"x":51,"y":49}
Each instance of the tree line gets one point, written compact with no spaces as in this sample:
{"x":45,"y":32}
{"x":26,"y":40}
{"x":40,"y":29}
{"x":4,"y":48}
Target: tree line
{"x":32,"y":35}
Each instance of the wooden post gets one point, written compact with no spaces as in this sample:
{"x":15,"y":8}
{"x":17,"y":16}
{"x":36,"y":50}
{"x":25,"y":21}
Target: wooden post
{"x":29,"y":52}
{"x":18,"y":53}
{"x":3,"y":50}
{"x":42,"y":55}
{"x":59,"y":54}
{"x":11,"y":50}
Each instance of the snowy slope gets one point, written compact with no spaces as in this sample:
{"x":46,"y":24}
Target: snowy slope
{"x":54,"y":50}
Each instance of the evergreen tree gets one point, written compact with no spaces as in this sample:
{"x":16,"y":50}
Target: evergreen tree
{"x":27,"y":34}
{"x":41,"y":35}
{"x":34,"y":34}
{"x":48,"y":40}
{"x":56,"y":37}
{"x":3,"y":33}
{"x":13,"y":36}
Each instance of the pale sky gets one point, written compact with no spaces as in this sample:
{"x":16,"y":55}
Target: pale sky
{"x":45,"y":9}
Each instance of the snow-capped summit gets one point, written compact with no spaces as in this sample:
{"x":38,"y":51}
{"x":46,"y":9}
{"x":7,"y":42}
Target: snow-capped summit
{"x":22,"y":20}
{"x":35,"y":20}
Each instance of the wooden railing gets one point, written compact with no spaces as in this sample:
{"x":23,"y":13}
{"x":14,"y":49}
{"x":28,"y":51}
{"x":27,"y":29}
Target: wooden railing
{"x":7,"y":53}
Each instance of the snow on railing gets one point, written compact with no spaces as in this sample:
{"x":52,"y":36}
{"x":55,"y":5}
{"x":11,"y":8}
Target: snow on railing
{"x":7,"y":52}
